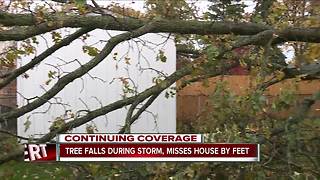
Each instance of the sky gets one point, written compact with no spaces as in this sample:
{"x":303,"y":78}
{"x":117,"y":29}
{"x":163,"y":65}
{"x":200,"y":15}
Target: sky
{"x":202,"y":4}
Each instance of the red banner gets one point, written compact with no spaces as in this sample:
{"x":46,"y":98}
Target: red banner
{"x":143,"y":147}
{"x":159,"y":152}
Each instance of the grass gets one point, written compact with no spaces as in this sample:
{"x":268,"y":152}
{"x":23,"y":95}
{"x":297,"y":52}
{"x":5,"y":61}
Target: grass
{"x":25,"y":170}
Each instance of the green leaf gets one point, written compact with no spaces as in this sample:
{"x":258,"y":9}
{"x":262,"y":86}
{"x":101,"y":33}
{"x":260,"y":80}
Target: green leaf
{"x":161,"y":57}
{"x":56,"y":36}
{"x":212,"y":52}
{"x":80,"y":2}
{"x":51,"y":74}
{"x":91,"y":51}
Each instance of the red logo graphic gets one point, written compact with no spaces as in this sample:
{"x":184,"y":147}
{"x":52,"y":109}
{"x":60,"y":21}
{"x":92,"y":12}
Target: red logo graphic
{"x":34,"y":152}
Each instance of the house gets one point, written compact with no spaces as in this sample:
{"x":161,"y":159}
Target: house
{"x":131,"y":68}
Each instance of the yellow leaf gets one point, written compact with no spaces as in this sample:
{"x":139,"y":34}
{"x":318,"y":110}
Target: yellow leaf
{"x":280,"y":75}
{"x":313,"y":52}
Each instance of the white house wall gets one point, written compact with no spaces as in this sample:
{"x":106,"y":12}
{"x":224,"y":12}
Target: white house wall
{"x":106,"y":88}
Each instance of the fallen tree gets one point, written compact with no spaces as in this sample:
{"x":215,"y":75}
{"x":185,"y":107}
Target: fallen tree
{"x":262,"y":38}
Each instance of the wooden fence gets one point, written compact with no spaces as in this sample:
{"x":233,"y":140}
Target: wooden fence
{"x":193,"y":99}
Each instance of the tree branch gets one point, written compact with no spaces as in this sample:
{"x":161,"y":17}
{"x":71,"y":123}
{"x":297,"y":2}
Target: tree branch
{"x":14,"y":135}
{"x":164,"y":26}
{"x":17,"y":72}
{"x":182,"y":50}
{"x":119,"y":104}
{"x":22,"y":33}
{"x":65,"y":80}
{"x":128,"y":118}
{"x":153,"y":91}
{"x":306,"y":72}
{"x":186,"y":70}
{"x":132,"y":119}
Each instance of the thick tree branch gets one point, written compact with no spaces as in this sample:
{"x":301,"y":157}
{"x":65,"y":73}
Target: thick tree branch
{"x":263,"y":86}
{"x":55,"y":21}
{"x":17,"y":72}
{"x":22,"y":33}
{"x":182,"y":50}
{"x":187,"y":81}
{"x":298,"y":34}
{"x":305,"y":72}
{"x":65,"y":80}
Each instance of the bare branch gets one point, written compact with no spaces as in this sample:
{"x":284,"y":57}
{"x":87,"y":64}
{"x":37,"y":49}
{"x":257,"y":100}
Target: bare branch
{"x":132,"y":119}
{"x":129,"y":116}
